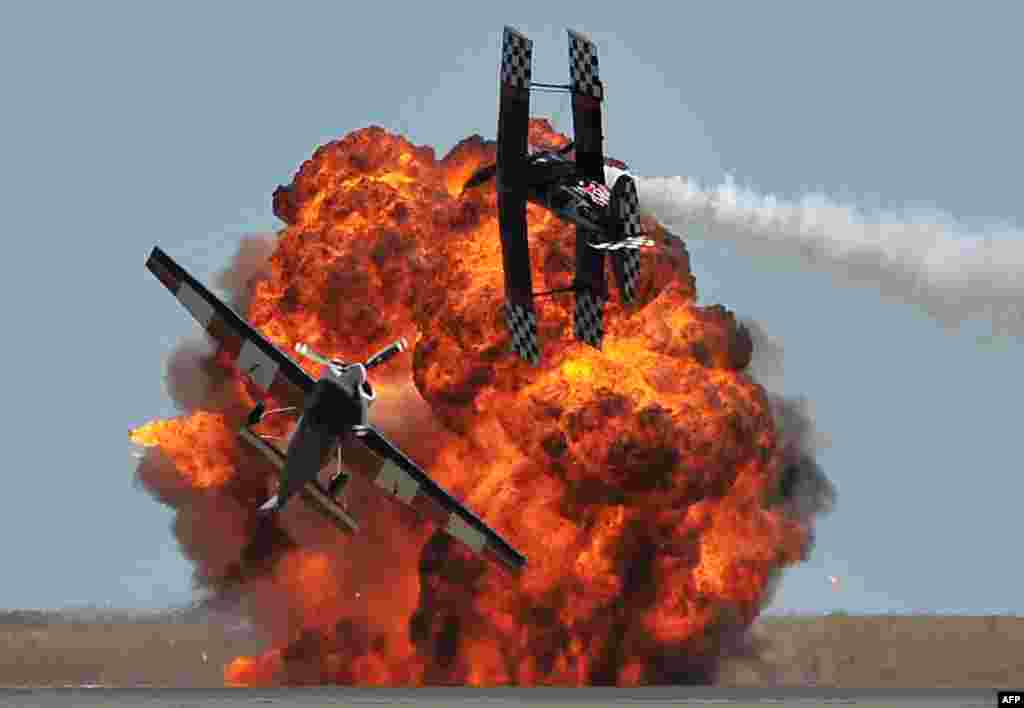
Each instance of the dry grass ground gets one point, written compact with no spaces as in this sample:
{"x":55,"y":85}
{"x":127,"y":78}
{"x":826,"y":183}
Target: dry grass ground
{"x":117,"y":651}
{"x":832,"y":651}
{"x":885,"y":651}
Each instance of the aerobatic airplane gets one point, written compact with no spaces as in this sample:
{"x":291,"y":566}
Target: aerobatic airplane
{"x":606,"y":221}
{"x":332,"y":414}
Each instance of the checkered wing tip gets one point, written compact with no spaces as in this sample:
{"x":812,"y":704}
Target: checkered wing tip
{"x":584,"y":75}
{"x":516,"y":59}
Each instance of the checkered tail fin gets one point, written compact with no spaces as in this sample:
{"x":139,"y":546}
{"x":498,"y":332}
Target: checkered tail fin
{"x":625,"y":206}
{"x":588,"y":318}
{"x":522,"y":326}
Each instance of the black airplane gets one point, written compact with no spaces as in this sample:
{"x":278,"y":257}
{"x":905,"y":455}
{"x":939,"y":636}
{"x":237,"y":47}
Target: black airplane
{"x":574,"y":189}
{"x":332,"y":414}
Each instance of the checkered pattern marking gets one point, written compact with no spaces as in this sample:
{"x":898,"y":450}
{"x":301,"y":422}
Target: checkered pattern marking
{"x":522,"y":325}
{"x":458,"y":528}
{"x":583,"y":73}
{"x":588,"y":320}
{"x":516,"y":59}
{"x":629,"y":209}
{"x":630,"y":260}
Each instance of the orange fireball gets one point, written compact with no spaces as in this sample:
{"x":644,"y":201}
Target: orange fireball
{"x":641,"y":481}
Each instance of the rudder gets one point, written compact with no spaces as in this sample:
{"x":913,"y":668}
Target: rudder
{"x":588,"y":318}
{"x":522,"y":327}
{"x":625,"y":210}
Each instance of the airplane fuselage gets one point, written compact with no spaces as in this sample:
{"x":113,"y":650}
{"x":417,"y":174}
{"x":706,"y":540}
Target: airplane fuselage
{"x":341,"y":397}
{"x":338,"y":403}
{"x":558,"y":185}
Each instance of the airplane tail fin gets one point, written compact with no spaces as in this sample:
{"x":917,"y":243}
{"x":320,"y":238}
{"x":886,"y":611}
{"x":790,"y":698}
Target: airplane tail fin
{"x":625,"y":212}
{"x":588,"y":317}
{"x":591,"y":289}
{"x":521,"y":320}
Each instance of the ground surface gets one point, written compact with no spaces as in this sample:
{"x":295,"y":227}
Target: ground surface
{"x":826,"y":652}
{"x":923,"y":651}
{"x":185,"y":651}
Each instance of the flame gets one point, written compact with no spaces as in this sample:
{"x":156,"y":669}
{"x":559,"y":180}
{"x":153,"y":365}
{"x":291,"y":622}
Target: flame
{"x":180,"y":437}
{"x":543,"y":137}
{"x":638,"y":480}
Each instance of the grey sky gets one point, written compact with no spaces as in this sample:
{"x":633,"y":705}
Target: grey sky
{"x":126,"y":126}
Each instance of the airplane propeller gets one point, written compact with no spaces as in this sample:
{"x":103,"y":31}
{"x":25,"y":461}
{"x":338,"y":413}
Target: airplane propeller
{"x":377,"y":359}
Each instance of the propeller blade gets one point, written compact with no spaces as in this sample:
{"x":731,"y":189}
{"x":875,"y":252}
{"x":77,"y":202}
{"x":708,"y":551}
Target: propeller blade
{"x":304,"y":349}
{"x":386,"y":353}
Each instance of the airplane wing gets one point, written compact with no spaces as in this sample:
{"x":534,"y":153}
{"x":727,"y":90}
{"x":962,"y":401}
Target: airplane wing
{"x":265,"y":365}
{"x":587,"y":95}
{"x":513,"y":131}
{"x":406,"y":482}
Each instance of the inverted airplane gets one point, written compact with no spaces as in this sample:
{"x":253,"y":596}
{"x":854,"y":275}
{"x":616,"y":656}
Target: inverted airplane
{"x":332,"y":415}
{"x":574,"y":189}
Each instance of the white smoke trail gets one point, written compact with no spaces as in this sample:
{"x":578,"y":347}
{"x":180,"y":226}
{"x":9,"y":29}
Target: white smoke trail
{"x":923,"y":259}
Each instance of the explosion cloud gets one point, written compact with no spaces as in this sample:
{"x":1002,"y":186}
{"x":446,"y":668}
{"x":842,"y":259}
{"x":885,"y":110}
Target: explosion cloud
{"x":650,"y":485}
